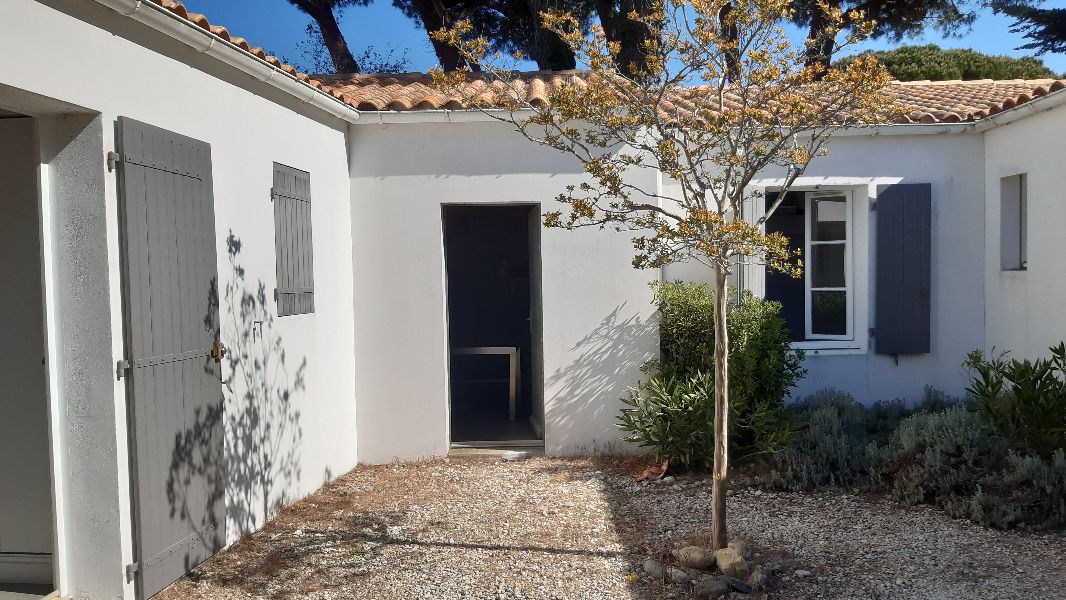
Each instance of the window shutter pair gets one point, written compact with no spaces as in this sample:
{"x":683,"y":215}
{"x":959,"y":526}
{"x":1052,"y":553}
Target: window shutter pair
{"x":903,"y":218}
{"x":291,"y":195}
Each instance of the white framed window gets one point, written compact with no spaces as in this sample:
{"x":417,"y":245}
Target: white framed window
{"x":829,"y":296}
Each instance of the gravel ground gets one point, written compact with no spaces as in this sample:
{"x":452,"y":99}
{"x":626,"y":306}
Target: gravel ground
{"x":477,"y":528}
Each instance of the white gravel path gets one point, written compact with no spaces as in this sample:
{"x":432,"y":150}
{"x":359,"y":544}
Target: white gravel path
{"x":547,"y":528}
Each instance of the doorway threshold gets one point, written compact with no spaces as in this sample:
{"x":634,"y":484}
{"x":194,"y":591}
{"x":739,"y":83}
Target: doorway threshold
{"x":500,"y":452}
{"x":500,"y":444}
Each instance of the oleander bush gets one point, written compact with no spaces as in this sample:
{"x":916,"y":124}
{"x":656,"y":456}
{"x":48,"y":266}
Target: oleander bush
{"x":672,"y":410}
{"x":1022,"y":402}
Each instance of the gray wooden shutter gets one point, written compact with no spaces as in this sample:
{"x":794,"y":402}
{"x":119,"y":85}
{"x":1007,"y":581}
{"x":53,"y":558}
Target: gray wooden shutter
{"x":170,"y":285}
{"x":292,"y":241}
{"x":904,"y":260}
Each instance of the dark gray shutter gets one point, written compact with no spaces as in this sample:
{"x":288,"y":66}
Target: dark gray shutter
{"x":904,"y":257}
{"x":170,"y":279}
{"x":292,"y":241}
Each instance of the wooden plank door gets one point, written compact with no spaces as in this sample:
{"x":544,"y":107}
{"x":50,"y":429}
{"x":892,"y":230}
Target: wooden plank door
{"x":170,"y":286}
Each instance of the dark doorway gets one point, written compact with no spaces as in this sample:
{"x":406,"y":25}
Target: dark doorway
{"x":492,"y":257}
{"x":26,"y":518}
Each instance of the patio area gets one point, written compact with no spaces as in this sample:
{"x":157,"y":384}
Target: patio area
{"x":477,"y":527}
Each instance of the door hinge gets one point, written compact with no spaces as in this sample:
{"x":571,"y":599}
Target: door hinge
{"x":131,"y":571}
{"x":113,"y":158}
{"x":121,"y":367}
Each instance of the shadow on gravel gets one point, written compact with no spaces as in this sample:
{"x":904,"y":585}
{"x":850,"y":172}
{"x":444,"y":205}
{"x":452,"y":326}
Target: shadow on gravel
{"x":639,"y":530}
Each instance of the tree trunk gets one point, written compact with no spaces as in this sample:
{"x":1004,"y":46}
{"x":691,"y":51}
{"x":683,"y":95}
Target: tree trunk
{"x":819,"y":52}
{"x":732,"y":56}
{"x":630,"y":34}
{"x":430,"y":13}
{"x":549,"y":50}
{"x":719,"y":539}
{"x":343,"y":61}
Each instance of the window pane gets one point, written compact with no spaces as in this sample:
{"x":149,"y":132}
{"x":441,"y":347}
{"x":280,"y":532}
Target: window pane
{"x":827,"y":266}
{"x":829,"y":313}
{"x":828,"y":218}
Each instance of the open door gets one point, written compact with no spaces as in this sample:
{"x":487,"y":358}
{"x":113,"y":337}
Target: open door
{"x":172,"y":370}
{"x":493,"y":273}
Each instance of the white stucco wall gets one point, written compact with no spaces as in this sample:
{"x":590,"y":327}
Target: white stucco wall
{"x":95,"y":59}
{"x":596,"y":307}
{"x":952,"y":164}
{"x":1025,"y":308}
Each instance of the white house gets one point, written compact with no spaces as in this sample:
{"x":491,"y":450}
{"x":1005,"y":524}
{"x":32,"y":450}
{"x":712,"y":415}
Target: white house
{"x":228,"y":282}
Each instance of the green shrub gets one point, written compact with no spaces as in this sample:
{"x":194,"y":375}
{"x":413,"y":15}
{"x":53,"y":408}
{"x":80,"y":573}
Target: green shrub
{"x":763,"y":367}
{"x":1023,"y":402}
{"x":828,"y":447}
{"x":672,"y":414}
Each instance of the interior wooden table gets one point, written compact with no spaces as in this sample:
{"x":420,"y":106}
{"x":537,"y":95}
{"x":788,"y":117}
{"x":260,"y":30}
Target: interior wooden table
{"x":513,"y":381}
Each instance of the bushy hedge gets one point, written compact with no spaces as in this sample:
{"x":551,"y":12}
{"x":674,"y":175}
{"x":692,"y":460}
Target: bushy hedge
{"x":1022,"y":402}
{"x":942,"y":452}
{"x":672,"y":411}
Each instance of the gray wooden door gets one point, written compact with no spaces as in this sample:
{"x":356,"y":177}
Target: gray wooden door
{"x":170,"y":283}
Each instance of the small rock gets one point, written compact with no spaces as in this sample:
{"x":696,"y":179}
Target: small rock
{"x":761,"y":579}
{"x":654,"y":568}
{"x":731,"y":563}
{"x":802,"y":574}
{"x":677,"y":576}
{"x":742,"y":548}
{"x":695,"y":557}
{"x":712,"y":587}
{"x":513,"y":455}
{"x":668,"y":480}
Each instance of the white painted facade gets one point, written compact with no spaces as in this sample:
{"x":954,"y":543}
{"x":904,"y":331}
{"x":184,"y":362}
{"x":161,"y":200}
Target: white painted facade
{"x":376,"y":385}
{"x":92,"y":66}
{"x":597,"y":313}
{"x":1027,"y":308}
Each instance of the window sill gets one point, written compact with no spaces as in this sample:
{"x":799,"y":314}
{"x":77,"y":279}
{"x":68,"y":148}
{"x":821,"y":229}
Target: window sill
{"x":829,"y":347}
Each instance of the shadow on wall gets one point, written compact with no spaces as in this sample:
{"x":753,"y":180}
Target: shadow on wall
{"x":261,"y":455}
{"x":586,"y":392}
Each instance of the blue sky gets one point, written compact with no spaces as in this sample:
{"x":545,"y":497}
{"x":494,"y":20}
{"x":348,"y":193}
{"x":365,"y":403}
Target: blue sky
{"x":278,"y":26}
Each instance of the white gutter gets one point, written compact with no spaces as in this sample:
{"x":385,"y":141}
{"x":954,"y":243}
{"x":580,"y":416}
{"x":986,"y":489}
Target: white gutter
{"x":385,"y":117}
{"x":201,"y":40}
{"x":1036,"y":105}
{"x":372,"y":117}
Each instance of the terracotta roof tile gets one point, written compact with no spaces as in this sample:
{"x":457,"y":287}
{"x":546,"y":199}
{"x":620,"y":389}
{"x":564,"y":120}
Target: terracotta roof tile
{"x":178,"y":9}
{"x":923,"y":101}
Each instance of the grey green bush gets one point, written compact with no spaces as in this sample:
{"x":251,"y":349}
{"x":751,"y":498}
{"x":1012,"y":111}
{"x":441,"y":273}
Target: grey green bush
{"x":949,"y":459}
{"x":828,"y":447}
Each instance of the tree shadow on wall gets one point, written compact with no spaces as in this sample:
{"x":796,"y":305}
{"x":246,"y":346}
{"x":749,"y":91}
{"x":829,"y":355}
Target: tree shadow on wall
{"x":244,"y":449}
{"x":608,"y":360}
{"x":263,"y":430}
